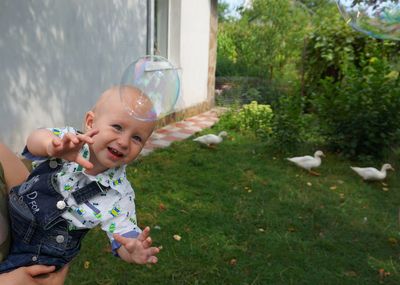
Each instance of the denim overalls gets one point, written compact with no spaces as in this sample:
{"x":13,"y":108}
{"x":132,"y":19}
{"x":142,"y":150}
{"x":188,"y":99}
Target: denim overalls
{"x":39,"y":234}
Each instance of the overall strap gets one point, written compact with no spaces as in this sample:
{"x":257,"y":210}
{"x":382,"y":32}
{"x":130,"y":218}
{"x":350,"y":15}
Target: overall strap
{"x":86,"y":192}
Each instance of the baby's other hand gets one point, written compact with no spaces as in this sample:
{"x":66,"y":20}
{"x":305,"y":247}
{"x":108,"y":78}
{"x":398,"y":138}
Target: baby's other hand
{"x":137,"y":250}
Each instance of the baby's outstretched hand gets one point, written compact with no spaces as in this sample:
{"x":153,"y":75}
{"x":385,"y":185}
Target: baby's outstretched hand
{"x":137,"y":250}
{"x":69,"y":146}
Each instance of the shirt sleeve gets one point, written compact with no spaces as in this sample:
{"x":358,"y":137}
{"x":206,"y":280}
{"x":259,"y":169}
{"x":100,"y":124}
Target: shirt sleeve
{"x":122,"y":220}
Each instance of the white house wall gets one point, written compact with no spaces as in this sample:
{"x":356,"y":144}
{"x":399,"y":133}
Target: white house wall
{"x":194,"y":50}
{"x":56,"y":58}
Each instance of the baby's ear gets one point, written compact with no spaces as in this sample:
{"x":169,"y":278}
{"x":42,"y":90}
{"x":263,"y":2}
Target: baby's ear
{"x":89,"y":120}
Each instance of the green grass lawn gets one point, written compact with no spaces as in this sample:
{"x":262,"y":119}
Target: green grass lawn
{"x":247,"y":216}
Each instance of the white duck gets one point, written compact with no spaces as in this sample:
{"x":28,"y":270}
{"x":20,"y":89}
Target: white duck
{"x":211,"y":139}
{"x":308,"y":162}
{"x":371,"y":173}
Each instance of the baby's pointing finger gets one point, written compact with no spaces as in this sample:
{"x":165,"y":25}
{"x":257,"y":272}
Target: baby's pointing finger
{"x":85,"y":138}
{"x":92,"y":132}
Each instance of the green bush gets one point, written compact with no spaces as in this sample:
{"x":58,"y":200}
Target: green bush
{"x":360,"y":114}
{"x":253,"y":117}
{"x":287,"y":124}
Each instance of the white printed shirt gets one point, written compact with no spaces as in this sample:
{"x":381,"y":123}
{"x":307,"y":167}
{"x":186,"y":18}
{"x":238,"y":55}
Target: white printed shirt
{"x":113,"y":210}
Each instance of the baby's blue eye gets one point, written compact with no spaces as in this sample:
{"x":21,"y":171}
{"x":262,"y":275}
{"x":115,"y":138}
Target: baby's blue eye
{"x":137,"y":138}
{"x":117,"y":127}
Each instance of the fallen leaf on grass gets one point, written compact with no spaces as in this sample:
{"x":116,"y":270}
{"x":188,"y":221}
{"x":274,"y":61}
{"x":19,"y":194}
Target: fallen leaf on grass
{"x":86,"y":264}
{"x":233,"y":262}
{"x":162,"y":207}
{"x":261,"y":230}
{"x":309,"y":183}
{"x":383,"y":274}
{"x":351,"y":273}
{"x":177,"y":237}
{"x":107,"y":248}
{"x":385,"y":189}
{"x":393,"y":241}
{"x":333,"y":187}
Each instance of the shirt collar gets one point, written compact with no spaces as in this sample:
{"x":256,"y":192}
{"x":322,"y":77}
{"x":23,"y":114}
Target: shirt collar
{"x":115,"y":178}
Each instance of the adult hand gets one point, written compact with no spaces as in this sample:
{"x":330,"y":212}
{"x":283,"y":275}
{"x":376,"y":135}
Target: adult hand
{"x":25,"y":275}
{"x":53,"y":278}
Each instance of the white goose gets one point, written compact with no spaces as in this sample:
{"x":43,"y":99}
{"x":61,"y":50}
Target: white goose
{"x":211,"y":139}
{"x":371,"y":173}
{"x":308,"y":162}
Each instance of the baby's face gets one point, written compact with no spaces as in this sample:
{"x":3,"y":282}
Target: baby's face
{"x":121,"y":137}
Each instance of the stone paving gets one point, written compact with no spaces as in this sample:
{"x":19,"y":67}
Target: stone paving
{"x":181,"y":130}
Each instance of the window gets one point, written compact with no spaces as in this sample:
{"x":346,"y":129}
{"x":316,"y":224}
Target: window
{"x":158,"y":27}
{"x":161,"y":28}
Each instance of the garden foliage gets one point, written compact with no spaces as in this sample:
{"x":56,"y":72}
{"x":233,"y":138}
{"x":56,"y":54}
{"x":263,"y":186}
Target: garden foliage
{"x":327,"y":83}
{"x":255,"y":118}
{"x":360,"y":114}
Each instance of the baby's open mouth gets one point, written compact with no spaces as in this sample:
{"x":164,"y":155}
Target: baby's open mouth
{"x":115,"y":152}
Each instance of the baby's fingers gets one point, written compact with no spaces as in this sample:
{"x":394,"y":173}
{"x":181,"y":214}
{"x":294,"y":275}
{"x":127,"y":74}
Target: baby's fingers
{"x":152,"y":259}
{"x":147,"y":242}
{"x":70,"y":139}
{"x":92,"y":132}
{"x":56,"y":142}
{"x":85,"y":139}
{"x":144,"y":234}
{"x":154,"y":250}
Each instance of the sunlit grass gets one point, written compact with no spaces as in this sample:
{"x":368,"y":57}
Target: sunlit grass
{"x":247,"y":216}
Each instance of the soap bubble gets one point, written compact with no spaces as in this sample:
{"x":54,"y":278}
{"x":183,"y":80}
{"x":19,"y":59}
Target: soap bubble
{"x":376,"y":18}
{"x":157,"y":80}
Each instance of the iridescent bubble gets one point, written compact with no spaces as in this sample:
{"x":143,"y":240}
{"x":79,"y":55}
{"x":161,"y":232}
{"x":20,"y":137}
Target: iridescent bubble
{"x":376,"y":18}
{"x":158,"y":82}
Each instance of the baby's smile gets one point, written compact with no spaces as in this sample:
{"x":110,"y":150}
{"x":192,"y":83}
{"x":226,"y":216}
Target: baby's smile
{"x":115,"y":152}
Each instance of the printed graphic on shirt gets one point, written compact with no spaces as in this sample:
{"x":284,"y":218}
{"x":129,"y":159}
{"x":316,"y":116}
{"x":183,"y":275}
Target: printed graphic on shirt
{"x":115,"y":211}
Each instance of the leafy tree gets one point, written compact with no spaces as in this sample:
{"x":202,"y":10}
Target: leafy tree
{"x":266,"y":38}
{"x":222,"y":11}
